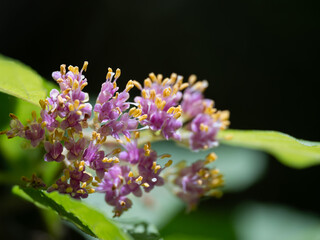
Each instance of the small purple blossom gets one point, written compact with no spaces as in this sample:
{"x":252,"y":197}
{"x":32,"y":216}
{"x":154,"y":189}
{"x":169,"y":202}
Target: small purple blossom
{"x":204,"y":131}
{"x":75,"y":148}
{"x":54,"y":152}
{"x":35,"y":133}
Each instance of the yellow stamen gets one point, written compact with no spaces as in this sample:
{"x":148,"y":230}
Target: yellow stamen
{"x":165,"y":156}
{"x":211,"y":157}
{"x":204,"y":127}
{"x":169,"y":163}
{"x":183,"y":86}
{"x":166,"y":92}
{"x":153,"y":77}
{"x":85,"y":65}
{"x":118,"y":73}
{"x":63,"y":69}
{"x":143,"y":117}
{"x":192,"y":79}
{"x":69,"y":189}
{"x":145,"y":185}
{"x":130,"y":174}
{"x":137,"y":84}
{"x":147,"y":83}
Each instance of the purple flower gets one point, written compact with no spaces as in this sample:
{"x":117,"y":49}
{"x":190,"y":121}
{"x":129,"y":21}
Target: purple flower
{"x":204,"y":131}
{"x":54,"y":152}
{"x":75,"y":148}
{"x":35,"y":133}
{"x":72,"y":121}
{"x":159,"y":103}
{"x":149,"y":171}
{"x":132,"y":153}
{"x":116,"y":184}
{"x":196,"y":181}
{"x":17,"y":128}
{"x":124,"y":126}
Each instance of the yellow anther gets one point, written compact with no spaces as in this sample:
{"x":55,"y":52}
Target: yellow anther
{"x":63,"y":178}
{"x":144,"y":93}
{"x":152,"y":94}
{"x":129,"y":182}
{"x":59,"y":80}
{"x":91,"y":190}
{"x":75,"y":84}
{"x":166,"y":92}
{"x":201,"y":86}
{"x":128,"y":139}
{"x":34,"y":115}
{"x":69,"y":189}
{"x":169,"y":163}
{"x":97,"y":179}
{"x":109,"y":75}
{"x":55,"y":186}
{"x":170,"y":110}
{"x":137,"y":113}
{"x":145,"y":185}
{"x":71,"y":108}
{"x":130,"y":174}
{"x":63,"y":69}
{"x":116,"y":160}
{"x":136,"y":133}
{"x":83,"y":185}
{"x":129,"y":86}
{"x":83,"y":85}
{"x":118,"y":73}
{"x":147,"y":83}
{"x":215,"y":171}
{"x":105,"y":160}
{"x":183,"y":86}
{"x":165,"y":156}
{"x":65,"y":92}
{"x":132,"y":110}
{"x":211,"y":157}
{"x":122,"y":203}
{"x":95,"y":184}
{"x":85,"y":65}
{"x":81,"y":106}
{"x":110,"y":69}
{"x":173,"y":78}
{"x":43,"y":124}
{"x":159,"y":77}
{"x":137,"y":84}
{"x":153,"y":77}
{"x":116,"y":151}
{"x":177,"y":115}
{"x":79,"y":113}
{"x":199,"y":182}
{"x":192,"y":79}
{"x":204,"y":127}
{"x":80,"y":191}
{"x":154,"y":164}
{"x":157,"y":168}
{"x":165,"y":81}
{"x":143,"y":117}
{"x":43,"y":104}
{"x":139,"y":179}
{"x":76,"y":103}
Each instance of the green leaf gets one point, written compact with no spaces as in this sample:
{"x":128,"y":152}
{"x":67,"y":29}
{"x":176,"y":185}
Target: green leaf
{"x":265,"y":221}
{"x":21,"y":81}
{"x":87,"y":219}
{"x":290,"y":151}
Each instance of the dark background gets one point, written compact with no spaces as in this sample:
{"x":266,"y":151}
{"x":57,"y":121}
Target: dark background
{"x":259,"y":56}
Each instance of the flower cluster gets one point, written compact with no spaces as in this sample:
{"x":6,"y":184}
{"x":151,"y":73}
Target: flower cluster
{"x":124,"y":164}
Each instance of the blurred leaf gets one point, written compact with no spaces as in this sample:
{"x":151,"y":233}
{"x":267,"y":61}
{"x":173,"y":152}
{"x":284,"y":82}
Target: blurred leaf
{"x":84,"y":217}
{"x":207,"y":222}
{"x":21,"y":81}
{"x":255,"y":221}
{"x":290,"y":151}
{"x":241,"y":167}
{"x":187,"y":237}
